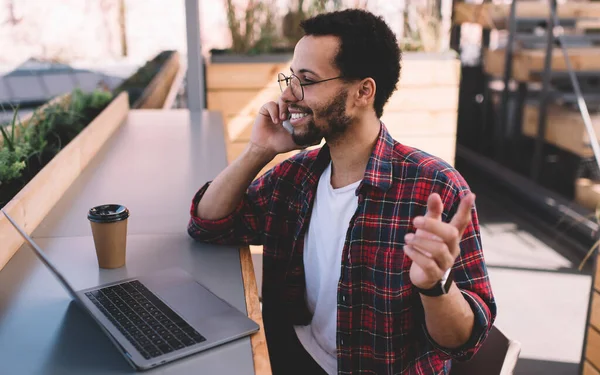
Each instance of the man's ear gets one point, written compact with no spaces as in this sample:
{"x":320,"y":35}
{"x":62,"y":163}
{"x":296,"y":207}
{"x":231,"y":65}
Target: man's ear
{"x":365,"y":95}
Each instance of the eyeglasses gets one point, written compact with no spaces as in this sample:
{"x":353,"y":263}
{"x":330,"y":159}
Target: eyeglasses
{"x":297,"y":87}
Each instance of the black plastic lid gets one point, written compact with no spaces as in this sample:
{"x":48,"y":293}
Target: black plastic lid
{"x":108,"y":213}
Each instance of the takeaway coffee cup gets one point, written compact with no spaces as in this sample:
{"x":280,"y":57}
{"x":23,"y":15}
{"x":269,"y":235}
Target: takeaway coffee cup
{"x":109,"y":227}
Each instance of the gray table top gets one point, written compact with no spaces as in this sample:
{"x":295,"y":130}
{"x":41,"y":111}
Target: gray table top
{"x":153,"y":165}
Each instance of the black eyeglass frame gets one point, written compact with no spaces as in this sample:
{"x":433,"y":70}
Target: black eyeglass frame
{"x":282,"y":77}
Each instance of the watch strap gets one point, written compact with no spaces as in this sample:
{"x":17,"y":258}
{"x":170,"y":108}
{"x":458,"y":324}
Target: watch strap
{"x":442,"y":287}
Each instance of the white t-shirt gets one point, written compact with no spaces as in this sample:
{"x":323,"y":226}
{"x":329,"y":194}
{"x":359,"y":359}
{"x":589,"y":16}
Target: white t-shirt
{"x":323,"y":245}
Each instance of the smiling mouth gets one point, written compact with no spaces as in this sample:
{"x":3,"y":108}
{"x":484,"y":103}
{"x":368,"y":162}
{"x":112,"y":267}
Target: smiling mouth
{"x":297,"y":116}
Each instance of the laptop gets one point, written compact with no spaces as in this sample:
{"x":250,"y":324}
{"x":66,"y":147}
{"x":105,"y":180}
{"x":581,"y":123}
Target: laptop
{"x":156,"y":319}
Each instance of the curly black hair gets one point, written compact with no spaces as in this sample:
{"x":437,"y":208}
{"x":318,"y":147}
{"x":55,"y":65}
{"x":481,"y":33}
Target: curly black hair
{"x":368,"y":48}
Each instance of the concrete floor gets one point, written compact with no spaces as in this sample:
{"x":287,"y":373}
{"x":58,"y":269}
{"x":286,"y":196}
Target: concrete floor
{"x":542,"y":297}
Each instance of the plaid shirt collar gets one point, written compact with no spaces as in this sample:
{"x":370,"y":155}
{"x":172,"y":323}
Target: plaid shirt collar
{"x":379,"y":172}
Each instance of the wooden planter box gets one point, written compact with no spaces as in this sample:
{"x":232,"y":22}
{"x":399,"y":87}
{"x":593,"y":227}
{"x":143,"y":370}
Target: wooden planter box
{"x":35,"y":200}
{"x":156,"y":93}
{"x":564,"y":128}
{"x":421,"y":113}
{"x":238,"y":87}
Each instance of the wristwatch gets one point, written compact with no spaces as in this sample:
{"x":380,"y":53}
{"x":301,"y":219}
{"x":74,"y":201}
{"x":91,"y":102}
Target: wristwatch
{"x":441,"y":288}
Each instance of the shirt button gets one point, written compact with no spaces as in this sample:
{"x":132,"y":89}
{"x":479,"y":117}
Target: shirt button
{"x":344,"y":298}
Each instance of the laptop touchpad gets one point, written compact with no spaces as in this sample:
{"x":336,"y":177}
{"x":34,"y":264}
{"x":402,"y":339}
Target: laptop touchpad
{"x":192,"y":301}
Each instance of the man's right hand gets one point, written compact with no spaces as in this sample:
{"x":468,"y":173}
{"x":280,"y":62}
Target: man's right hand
{"x":268,"y":139}
{"x":268,"y":133}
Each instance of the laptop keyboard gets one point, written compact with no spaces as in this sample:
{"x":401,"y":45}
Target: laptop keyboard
{"x":149,"y":324}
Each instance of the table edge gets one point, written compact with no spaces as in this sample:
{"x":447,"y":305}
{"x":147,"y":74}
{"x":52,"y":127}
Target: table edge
{"x":260,"y":353}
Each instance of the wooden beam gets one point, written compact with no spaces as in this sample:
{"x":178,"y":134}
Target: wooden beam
{"x":528,"y":64}
{"x":595,"y":311}
{"x":587,"y":194}
{"x":240,"y":102}
{"x":175,"y":86}
{"x":564,"y":128}
{"x":592,"y":349}
{"x":492,"y":16}
{"x":413,"y":99}
{"x":155,"y":94}
{"x":597,"y":282}
{"x":426,"y":72}
{"x":243,"y":76}
{"x":260,"y":352}
{"x":588,"y":369}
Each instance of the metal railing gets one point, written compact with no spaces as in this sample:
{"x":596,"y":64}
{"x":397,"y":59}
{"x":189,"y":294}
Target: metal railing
{"x":553,"y":32}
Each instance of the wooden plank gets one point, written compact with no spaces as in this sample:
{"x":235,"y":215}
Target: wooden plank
{"x":592,"y":349}
{"x":240,"y":122}
{"x":595,"y":311}
{"x":444,"y":98}
{"x":587,"y":24}
{"x":156,"y":92}
{"x":496,"y":15}
{"x":36,"y":199}
{"x":597,"y":281}
{"x":587,"y":194}
{"x":494,"y":65}
{"x":588,"y":369}
{"x":421,"y":123}
{"x":564,"y":128}
{"x":260,"y":353}
{"x":429,"y":72}
{"x":527,"y":64}
{"x":175,"y":86}
{"x":236,"y":102}
{"x":251,"y":76}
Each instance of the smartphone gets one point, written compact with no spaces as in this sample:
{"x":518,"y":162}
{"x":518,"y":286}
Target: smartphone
{"x":288,"y":125}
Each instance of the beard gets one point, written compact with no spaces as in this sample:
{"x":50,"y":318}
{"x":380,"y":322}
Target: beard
{"x":335,"y":117}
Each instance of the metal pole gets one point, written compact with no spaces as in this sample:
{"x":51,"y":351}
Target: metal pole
{"x":508,"y":65}
{"x":454,"y":30}
{"x":537,"y":161}
{"x":195,"y":76}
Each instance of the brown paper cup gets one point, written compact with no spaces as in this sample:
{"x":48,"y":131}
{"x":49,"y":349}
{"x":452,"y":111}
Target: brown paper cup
{"x":109,"y":228}
{"x":111,"y":241}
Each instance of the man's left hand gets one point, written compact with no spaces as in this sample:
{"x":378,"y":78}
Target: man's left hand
{"x":434,"y":247}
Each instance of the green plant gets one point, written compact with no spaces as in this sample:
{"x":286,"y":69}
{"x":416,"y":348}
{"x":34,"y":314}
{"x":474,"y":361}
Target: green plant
{"x":256,"y":31}
{"x":50,"y":128}
{"x":14,"y":153}
{"x":299,"y":11}
{"x":57,"y":124}
{"x":422,"y":27}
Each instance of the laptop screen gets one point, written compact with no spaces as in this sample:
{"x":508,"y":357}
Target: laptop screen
{"x":43,"y":258}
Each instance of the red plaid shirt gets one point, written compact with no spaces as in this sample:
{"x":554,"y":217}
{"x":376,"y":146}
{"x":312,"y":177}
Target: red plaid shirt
{"x":380,"y":321}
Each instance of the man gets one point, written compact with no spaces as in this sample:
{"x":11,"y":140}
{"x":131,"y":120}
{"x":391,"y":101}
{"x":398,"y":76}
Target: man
{"x":372,"y":255}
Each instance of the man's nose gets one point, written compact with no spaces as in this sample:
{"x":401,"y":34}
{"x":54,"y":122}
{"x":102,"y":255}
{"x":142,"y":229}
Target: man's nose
{"x":287,"y":96}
